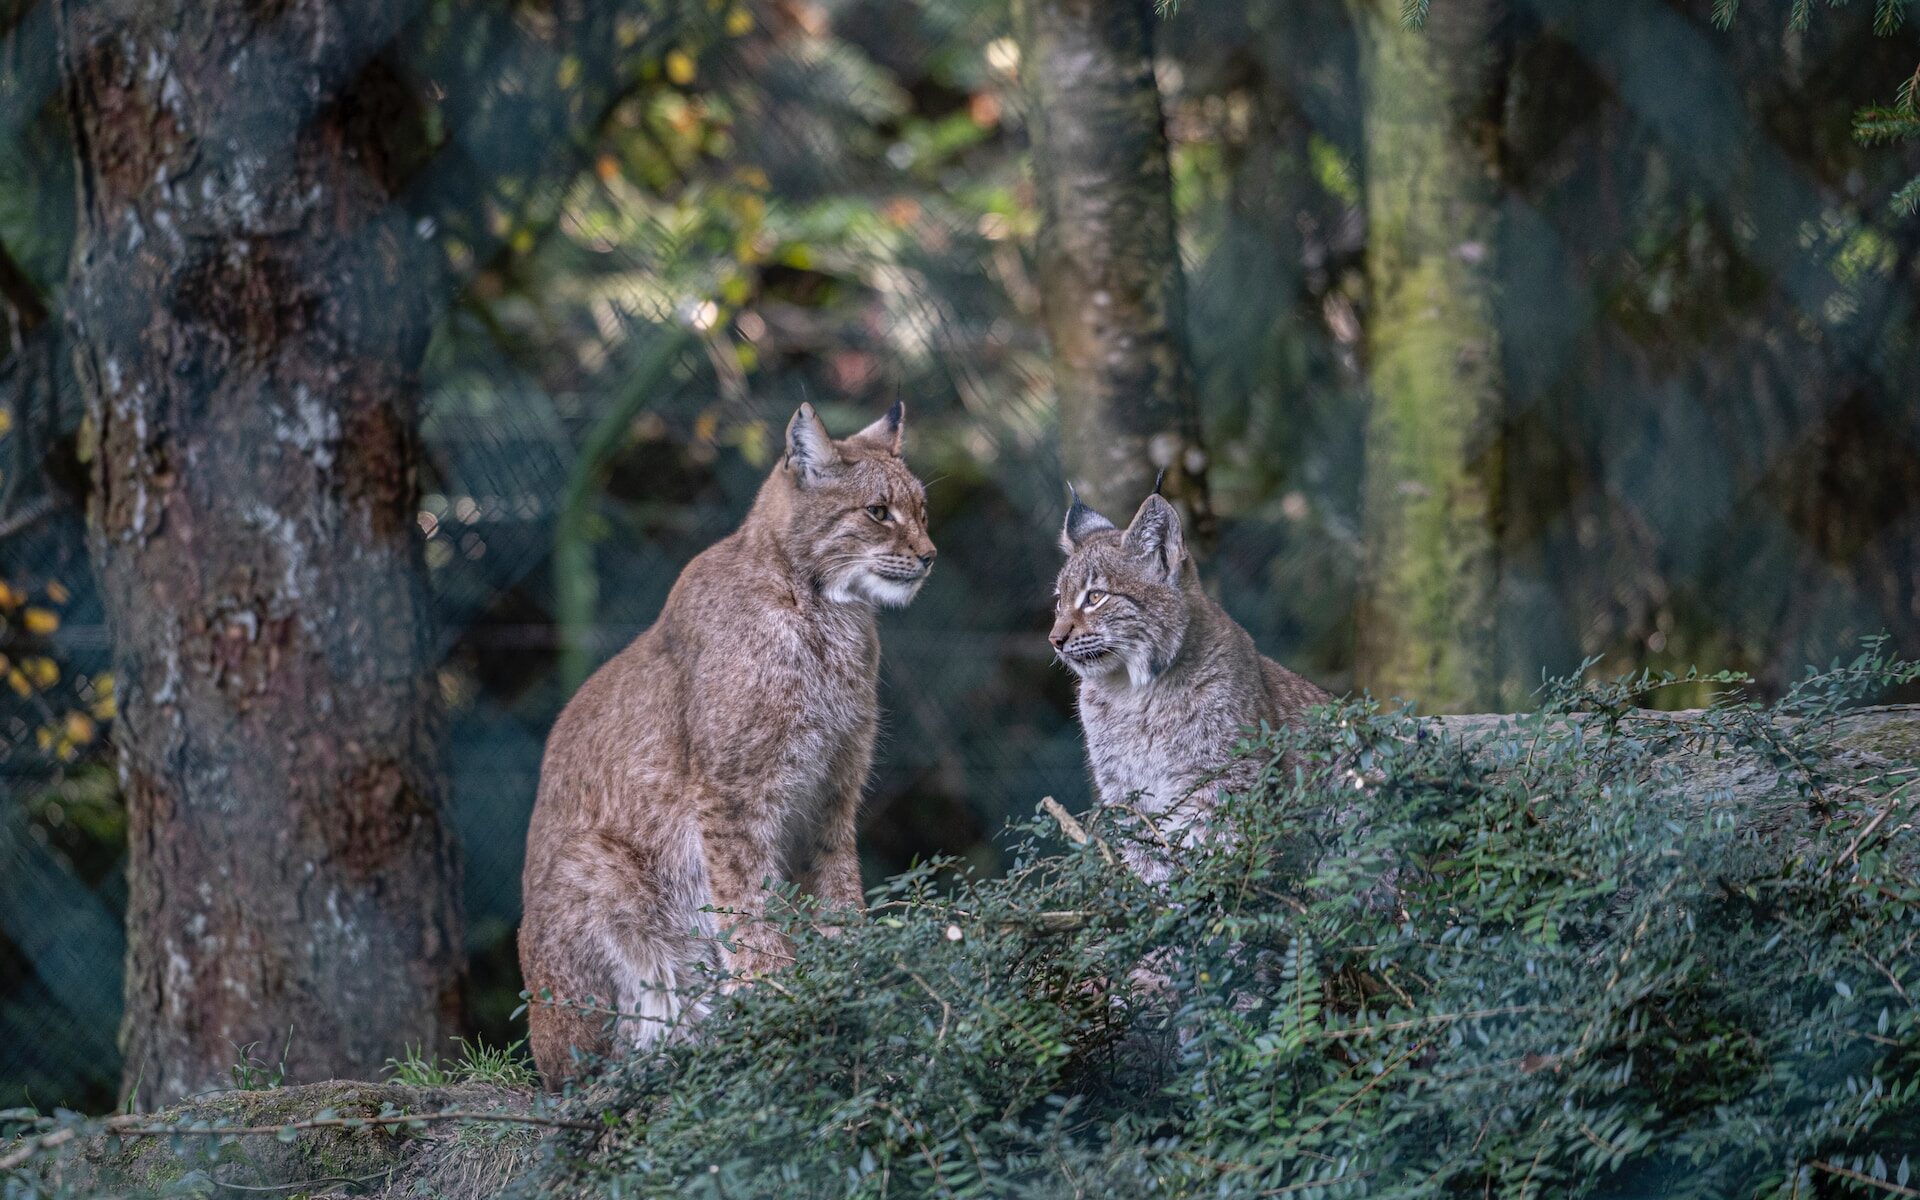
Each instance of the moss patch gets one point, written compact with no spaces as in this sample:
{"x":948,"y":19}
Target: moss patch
{"x":1892,"y":733}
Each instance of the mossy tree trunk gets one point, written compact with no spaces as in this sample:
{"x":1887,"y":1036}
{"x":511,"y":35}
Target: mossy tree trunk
{"x":1111,"y":291}
{"x":249,"y":311}
{"x":1428,"y":627}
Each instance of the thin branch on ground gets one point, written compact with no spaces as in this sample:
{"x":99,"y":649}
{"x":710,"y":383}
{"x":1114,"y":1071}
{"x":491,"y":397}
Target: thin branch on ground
{"x":135,"y":1125}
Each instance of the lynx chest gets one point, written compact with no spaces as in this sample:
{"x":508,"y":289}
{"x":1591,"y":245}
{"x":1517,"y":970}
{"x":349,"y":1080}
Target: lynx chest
{"x":799,"y":696}
{"x":1152,"y":746}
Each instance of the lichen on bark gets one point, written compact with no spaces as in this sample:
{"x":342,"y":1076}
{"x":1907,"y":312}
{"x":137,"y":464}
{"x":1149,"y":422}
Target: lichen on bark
{"x":1428,"y":628}
{"x":249,"y":306}
{"x":1111,"y":290}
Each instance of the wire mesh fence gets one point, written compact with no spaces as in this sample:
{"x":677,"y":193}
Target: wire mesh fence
{"x":694,"y":219}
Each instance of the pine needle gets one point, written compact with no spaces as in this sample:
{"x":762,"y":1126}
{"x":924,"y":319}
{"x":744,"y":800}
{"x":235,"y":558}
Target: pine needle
{"x":1876,"y":124}
{"x":1906,"y":201}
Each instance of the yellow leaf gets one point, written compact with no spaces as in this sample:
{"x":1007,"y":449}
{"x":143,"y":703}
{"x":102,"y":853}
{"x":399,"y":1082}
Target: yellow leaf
{"x":569,"y":73}
{"x":754,"y":442}
{"x":705,"y":426}
{"x":43,"y":736}
{"x":80,"y":728}
{"x":8,"y":597}
{"x":57,"y":592}
{"x":41,"y":670}
{"x":17,"y":680}
{"x":104,"y":709}
{"x":6,"y":422}
{"x":734,"y":290}
{"x":680,"y":67}
{"x":739,"y":21}
{"x":40,"y":621}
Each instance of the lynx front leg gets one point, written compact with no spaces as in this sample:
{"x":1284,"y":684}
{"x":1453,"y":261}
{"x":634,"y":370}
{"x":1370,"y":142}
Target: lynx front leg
{"x":836,"y":882}
{"x":740,"y":862}
{"x":831,"y":873}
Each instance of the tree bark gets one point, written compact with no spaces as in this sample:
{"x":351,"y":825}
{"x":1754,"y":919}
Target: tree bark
{"x":1428,"y":627}
{"x":1111,"y":292}
{"x":249,"y":308}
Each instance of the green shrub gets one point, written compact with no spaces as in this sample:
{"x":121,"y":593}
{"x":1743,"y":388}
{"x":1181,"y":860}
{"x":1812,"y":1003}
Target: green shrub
{"x":1591,"y":951}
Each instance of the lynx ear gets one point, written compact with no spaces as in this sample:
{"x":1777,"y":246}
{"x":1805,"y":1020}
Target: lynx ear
{"x":1155,"y":535}
{"x":810,"y":451}
{"x":886,"y":431}
{"x":1081,"y":521}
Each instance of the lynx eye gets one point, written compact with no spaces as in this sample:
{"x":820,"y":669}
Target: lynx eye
{"x":1094,"y":599}
{"x":878,"y":512}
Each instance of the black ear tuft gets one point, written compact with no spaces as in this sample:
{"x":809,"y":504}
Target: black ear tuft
{"x":1081,"y":522}
{"x":1158,"y":480}
{"x":885,"y":432}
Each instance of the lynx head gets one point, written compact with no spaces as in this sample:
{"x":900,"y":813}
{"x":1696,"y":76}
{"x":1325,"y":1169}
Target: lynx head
{"x":857,"y":517}
{"x":1120,"y":607}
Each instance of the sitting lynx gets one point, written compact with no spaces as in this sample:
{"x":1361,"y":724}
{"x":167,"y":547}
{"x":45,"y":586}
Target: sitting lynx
{"x":726,"y":746}
{"x":1167,"y":679}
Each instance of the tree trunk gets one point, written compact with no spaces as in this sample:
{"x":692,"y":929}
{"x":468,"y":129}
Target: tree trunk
{"x":250,"y":308}
{"x":1433,"y":455}
{"x":1111,"y":292}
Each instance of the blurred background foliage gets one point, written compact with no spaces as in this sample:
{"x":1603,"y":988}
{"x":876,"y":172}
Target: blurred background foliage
{"x":665,"y":224}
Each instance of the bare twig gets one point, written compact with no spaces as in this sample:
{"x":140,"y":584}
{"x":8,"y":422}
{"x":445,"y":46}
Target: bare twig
{"x":35,"y":511}
{"x":1075,"y":831}
{"x":1440,"y":1019}
{"x":946,"y":1010}
{"x":1894,"y":800}
{"x":1892,"y":1189}
{"x":134,"y":1126}
{"x":304,"y":1185}
{"x":1063,"y":921}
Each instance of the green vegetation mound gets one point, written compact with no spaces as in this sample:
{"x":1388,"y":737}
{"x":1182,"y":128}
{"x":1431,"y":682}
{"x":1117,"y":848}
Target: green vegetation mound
{"x":1597,"y":950}
{"x":1593,"y":951}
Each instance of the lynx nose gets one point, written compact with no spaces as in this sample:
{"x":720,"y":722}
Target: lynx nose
{"x":926,"y":560}
{"x":1061,"y":632}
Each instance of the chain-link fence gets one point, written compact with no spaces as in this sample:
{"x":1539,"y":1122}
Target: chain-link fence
{"x":1708,"y":450}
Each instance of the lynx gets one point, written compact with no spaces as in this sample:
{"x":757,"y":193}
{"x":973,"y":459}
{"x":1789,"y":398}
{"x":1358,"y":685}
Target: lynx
{"x":727,"y":746}
{"x":1168,"y":681}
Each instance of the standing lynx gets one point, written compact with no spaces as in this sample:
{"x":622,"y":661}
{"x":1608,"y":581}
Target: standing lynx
{"x":726,"y":746}
{"x":1167,"y":679}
